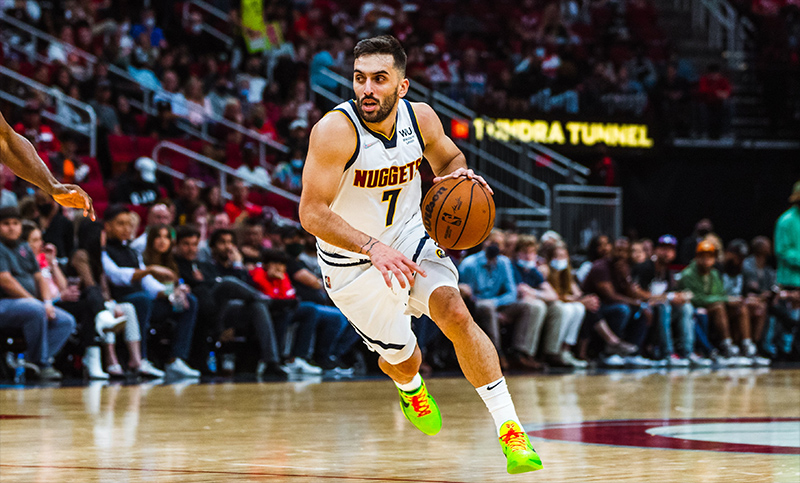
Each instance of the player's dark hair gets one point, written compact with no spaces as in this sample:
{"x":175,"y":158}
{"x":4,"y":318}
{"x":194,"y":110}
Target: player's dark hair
{"x":217,"y":234}
{"x":383,"y":44}
{"x":186,"y":231}
{"x":114,"y":211}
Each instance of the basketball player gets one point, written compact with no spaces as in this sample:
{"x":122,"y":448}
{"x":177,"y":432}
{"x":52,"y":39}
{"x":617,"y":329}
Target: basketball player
{"x":361,"y":199}
{"x":19,"y":155}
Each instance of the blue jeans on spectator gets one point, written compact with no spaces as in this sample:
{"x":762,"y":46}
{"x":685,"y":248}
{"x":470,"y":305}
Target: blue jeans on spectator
{"x":617,"y":316}
{"x":158,"y":310}
{"x":337,"y":337}
{"x":629,"y":325}
{"x":683,"y":316}
{"x":43,"y":337}
{"x":701,"y":332}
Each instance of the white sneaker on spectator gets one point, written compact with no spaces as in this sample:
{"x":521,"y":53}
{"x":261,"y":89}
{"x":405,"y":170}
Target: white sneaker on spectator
{"x":749,"y":349}
{"x":677,"y":361}
{"x":639,"y":361}
{"x":613,"y":360}
{"x":573,"y":361}
{"x":178,"y":368}
{"x":660,"y":363}
{"x":147,"y":369}
{"x":698,"y":361}
{"x":300,"y":366}
{"x":760,"y":361}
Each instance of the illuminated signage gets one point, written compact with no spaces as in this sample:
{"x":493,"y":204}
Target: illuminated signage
{"x":571,"y":133}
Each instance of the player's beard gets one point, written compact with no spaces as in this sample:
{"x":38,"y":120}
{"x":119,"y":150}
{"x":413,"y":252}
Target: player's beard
{"x":384,"y":108}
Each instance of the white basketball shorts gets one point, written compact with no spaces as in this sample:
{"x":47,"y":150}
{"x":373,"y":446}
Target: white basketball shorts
{"x":382,"y":315}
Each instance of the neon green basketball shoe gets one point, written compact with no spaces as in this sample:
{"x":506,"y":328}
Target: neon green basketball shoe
{"x":518,"y":449}
{"x":420,"y":408}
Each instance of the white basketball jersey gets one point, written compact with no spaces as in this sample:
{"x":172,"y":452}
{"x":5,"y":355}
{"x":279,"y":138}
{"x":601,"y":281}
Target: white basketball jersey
{"x":380,"y":190}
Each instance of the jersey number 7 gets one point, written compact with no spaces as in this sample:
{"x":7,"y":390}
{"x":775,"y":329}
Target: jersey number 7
{"x":391,"y":196}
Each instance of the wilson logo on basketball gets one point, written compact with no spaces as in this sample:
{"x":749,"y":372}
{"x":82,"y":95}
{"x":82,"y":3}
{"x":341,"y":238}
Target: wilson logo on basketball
{"x":428,"y":211}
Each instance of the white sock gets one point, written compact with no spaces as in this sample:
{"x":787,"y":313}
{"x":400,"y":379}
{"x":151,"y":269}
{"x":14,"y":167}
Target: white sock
{"x":498,"y":401}
{"x":410,"y":386}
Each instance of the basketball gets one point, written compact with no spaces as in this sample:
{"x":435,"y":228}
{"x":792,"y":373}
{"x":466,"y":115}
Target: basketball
{"x":458,"y":213}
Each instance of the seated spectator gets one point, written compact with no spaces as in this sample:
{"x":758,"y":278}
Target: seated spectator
{"x":559,"y":275}
{"x":488,"y":278}
{"x":250,"y":171}
{"x":138,"y":186}
{"x":127,"y":119}
{"x":158,"y":214}
{"x":25,"y":299}
{"x":238,"y":203}
{"x":289,"y":175}
{"x":560,"y":323}
{"x":188,"y":201}
{"x":171,"y":95}
{"x":212,"y":198}
{"x":86,"y":272}
{"x":7,"y":197}
{"x":702,"y":229}
{"x":335,"y":327}
{"x":37,"y":132}
{"x":195,"y":101}
{"x":253,"y":242}
{"x":638,"y":255}
{"x":708,"y":292}
{"x":622,"y":304}
{"x":713,"y":93}
{"x":228,"y":305}
{"x":273,"y":281}
{"x":107,"y":118}
{"x":130,"y":280}
{"x":599,"y":247}
{"x":65,"y":164}
{"x":760,"y":280}
{"x":164,"y":125}
{"x":672,"y":307}
{"x":56,"y":228}
{"x":754,"y":308}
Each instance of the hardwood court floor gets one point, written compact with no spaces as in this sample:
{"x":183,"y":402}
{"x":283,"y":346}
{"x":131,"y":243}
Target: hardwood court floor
{"x":353,"y":431}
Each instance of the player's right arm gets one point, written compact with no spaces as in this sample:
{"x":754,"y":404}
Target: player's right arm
{"x":330,"y":146}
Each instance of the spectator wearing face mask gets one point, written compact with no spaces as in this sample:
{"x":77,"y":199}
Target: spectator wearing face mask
{"x":487,"y":277}
{"x":560,"y":322}
{"x":289,"y":176}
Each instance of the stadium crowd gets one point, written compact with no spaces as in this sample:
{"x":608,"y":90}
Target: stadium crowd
{"x":180,"y":292}
{"x":177,"y":274}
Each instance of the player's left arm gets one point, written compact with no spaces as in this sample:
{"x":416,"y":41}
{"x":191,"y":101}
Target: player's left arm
{"x":18,"y":153}
{"x":446,"y":160}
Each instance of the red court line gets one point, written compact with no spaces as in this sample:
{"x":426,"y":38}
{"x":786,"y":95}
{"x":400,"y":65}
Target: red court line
{"x":249,"y":473}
